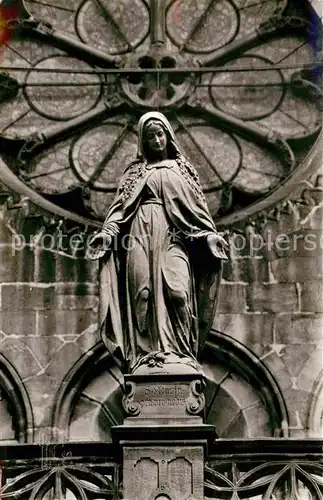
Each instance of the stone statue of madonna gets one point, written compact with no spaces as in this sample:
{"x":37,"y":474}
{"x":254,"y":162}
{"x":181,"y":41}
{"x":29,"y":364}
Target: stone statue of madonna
{"x":161,"y":256}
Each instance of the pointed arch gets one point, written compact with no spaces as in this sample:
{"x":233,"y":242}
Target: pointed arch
{"x":89,"y":366}
{"x":89,"y":402}
{"x":315,"y":409}
{"x":241,"y":360}
{"x":17,"y":401}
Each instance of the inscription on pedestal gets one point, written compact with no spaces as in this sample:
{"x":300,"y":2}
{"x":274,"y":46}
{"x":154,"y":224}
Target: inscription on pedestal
{"x":164,"y":400}
{"x":163,"y":395}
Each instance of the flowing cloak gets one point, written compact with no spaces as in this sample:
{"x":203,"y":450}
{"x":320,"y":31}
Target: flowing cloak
{"x":188,"y":214}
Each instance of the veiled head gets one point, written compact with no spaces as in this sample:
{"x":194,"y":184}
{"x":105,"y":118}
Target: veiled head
{"x":156,"y":136}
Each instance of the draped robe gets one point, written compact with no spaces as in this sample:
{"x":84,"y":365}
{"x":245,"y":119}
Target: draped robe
{"x":162,"y":254}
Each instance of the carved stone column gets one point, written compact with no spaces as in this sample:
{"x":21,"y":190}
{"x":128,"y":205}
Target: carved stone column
{"x":163,"y":438}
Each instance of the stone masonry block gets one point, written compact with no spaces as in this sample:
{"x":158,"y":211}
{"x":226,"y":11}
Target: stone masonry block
{"x":297,"y":406}
{"x":312,"y":296}
{"x":42,"y":389}
{"x":6,"y":234}
{"x":299,"y":328}
{"x":232,"y":298}
{"x":303,"y":243}
{"x":296,"y":356}
{"x":22,"y":296}
{"x":21,"y":356}
{"x":287,"y":223}
{"x":88,"y":337}
{"x":76,"y":302}
{"x":43,"y":348}
{"x":311,"y":370}
{"x":258,"y":421}
{"x":224,"y":418}
{"x":63,"y":359}
{"x":246,"y":270}
{"x":77,"y":270}
{"x":245,"y":245}
{"x":43,"y":386}
{"x":272,"y":297}
{"x":16,"y":265}
{"x":237,"y":428}
{"x":249,"y":329}
{"x":275,"y":363}
{"x":82,"y":427}
{"x":313,"y":218}
{"x":77,"y":289}
{"x":65,"y":322}
{"x":297,"y":269}
{"x":18,"y":323}
{"x":45,"y":261}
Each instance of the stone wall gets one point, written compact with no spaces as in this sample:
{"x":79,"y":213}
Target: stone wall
{"x":270,"y":301}
{"x":48,"y":318}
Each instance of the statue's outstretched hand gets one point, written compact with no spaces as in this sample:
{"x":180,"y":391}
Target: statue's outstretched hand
{"x":217,"y":245}
{"x":98,"y":245}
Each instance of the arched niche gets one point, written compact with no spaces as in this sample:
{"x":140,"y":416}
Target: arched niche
{"x":245,"y":378}
{"x":315,"y":410}
{"x":242,"y":398}
{"x":16,"y":418}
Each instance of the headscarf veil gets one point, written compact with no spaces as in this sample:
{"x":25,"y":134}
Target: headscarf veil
{"x":135,"y":171}
{"x":156,"y":117}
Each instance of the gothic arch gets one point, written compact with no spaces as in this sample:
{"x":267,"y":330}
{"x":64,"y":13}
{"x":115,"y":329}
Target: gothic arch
{"x":242,"y":398}
{"x":243,"y":363}
{"x":89,"y":366}
{"x":315,"y":411}
{"x":15,"y":405}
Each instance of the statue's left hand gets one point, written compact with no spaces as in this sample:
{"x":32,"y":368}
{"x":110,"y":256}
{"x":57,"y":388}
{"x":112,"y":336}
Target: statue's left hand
{"x":217,"y":245}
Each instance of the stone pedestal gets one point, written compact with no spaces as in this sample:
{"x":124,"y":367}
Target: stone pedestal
{"x":163,"y":439}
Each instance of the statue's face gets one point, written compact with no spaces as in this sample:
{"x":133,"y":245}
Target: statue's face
{"x":156,"y":138}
